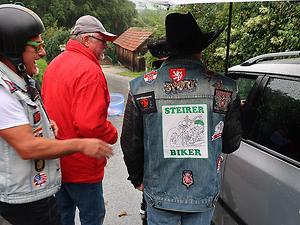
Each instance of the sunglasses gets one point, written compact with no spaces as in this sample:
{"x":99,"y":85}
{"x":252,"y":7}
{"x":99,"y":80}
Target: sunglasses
{"x":38,"y":45}
{"x":98,"y":39}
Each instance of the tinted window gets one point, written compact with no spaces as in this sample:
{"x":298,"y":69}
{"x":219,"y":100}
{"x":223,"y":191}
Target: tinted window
{"x":244,"y":86}
{"x":277,"y":123}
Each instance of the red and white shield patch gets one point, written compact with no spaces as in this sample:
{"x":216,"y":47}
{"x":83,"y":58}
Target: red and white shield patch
{"x":187,"y":178}
{"x":177,"y":74}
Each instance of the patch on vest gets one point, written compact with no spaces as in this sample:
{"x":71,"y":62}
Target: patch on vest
{"x":38,"y":132}
{"x":40,"y":179}
{"x":222,"y":99}
{"x":218,"y":131}
{"x":187,"y":178}
{"x":12,"y":86}
{"x":181,"y":86}
{"x":177,"y":74}
{"x":146,"y":102}
{"x":36,"y":117}
{"x":39,"y":165}
{"x":150,"y":77}
{"x":219,"y":162}
{"x":185,"y":133}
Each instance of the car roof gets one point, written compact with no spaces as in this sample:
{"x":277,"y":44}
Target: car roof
{"x":280,"y":63}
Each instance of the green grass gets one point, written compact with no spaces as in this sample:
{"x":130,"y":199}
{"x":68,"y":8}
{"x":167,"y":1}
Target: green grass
{"x":132,"y":74}
{"x":42,"y":64}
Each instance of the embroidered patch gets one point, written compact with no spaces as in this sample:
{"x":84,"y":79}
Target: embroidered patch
{"x":218,"y":84}
{"x":187,"y":178}
{"x":181,"y":86}
{"x":219,"y":162}
{"x":150,"y":77}
{"x":185,"y":133}
{"x":39,"y":165}
{"x":222,"y":99}
{"x":146,"y":102}
{"x":12,"y":86}
{"x":177,"y":74}
{"x":38,"y":132}
{"x":40,"y":179}
{"x":36,"y":117}
{"x":218,"y":131}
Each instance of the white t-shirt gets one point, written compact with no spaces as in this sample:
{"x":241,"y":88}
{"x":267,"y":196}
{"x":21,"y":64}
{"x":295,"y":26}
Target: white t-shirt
{"x":12,"y":113}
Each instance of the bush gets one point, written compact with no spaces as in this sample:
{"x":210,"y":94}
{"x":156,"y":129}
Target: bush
{"x":54,"y":38}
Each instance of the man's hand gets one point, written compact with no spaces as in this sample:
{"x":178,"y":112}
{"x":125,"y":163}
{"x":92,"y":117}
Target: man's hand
{"x":96,"y":148}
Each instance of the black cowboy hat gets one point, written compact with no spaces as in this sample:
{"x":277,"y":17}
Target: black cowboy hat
{"x":183,"y":36}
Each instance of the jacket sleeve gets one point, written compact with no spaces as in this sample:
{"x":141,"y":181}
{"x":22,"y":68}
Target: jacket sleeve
{"x":232,"y":133}
{"x":132,"y":142}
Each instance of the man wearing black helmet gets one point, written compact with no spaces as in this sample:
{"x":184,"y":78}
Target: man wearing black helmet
{"x":29,"y":172}
{"x":178,"y":119}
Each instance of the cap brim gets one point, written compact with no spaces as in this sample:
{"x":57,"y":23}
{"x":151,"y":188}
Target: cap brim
{"x":109,"y":36}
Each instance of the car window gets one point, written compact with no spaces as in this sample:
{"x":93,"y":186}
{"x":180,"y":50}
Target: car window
{"x":277,"y":123}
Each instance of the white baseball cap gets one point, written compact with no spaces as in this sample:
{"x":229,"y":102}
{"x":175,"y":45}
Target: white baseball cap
{"x":90,"y":24}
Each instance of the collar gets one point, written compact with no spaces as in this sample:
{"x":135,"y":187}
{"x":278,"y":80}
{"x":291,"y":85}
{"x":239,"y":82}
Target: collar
{"x":184,"y":59}
{"x":19,"y":81}
{"x":76,"y":46}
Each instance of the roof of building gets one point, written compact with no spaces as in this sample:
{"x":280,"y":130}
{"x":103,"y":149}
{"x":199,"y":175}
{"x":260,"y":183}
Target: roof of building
{"x":133,"y":37}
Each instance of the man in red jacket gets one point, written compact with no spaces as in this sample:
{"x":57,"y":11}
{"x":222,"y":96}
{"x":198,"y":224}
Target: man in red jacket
{"x":76,"y":96}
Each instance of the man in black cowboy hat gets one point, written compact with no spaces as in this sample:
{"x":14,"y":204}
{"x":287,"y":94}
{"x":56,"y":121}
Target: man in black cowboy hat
{"x":178,"y":120}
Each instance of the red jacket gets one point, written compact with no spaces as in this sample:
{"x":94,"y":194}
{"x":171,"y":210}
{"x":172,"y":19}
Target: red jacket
{"x":76,"y":97}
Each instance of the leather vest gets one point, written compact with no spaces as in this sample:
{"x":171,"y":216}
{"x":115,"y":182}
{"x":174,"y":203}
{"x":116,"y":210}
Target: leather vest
{"x":23,"y":181}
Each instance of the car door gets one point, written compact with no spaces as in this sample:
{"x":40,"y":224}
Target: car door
{"x":261,"y":180}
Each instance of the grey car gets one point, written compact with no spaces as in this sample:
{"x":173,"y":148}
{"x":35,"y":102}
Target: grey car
{"x":261,"y":180}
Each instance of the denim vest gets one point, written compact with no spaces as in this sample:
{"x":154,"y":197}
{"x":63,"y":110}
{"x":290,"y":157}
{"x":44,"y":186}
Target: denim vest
{"x":183,"y":112}
{"x":23,"y":181}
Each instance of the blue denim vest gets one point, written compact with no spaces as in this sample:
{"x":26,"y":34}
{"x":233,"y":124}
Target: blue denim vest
{"x":183,"y":117}
{"x":23,"y":181}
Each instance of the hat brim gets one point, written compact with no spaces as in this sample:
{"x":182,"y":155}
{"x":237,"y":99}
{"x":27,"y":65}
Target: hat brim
{"x":109,"y":36}
{"x":159,"y":48}
{"x":211,"y":37}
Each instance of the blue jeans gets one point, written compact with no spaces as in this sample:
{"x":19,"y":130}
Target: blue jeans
{"x":165,"y":217}
{"x":88,"y":198}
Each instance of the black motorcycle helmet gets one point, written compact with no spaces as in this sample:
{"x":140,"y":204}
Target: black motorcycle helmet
{"x":17,"y":25}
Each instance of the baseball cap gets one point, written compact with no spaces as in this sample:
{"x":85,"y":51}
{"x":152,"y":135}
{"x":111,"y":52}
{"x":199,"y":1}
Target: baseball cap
{"x":90,"y":24}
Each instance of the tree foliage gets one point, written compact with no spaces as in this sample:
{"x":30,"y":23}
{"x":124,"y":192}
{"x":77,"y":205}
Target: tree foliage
{"x":257,"y":28}
{"x":116,"y":15}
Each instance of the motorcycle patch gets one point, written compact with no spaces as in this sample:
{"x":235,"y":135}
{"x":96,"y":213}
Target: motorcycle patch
{"x":146,"y":102}
{"x":218,"y":131}
{"x":177,"y":74}
{"x":185,"y":132}
{"x":40,"y":179}
{"x":150,"y":77}
{"x":187,"y":178}
{"x":181,"y":86}
{"x":222,"y":99}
